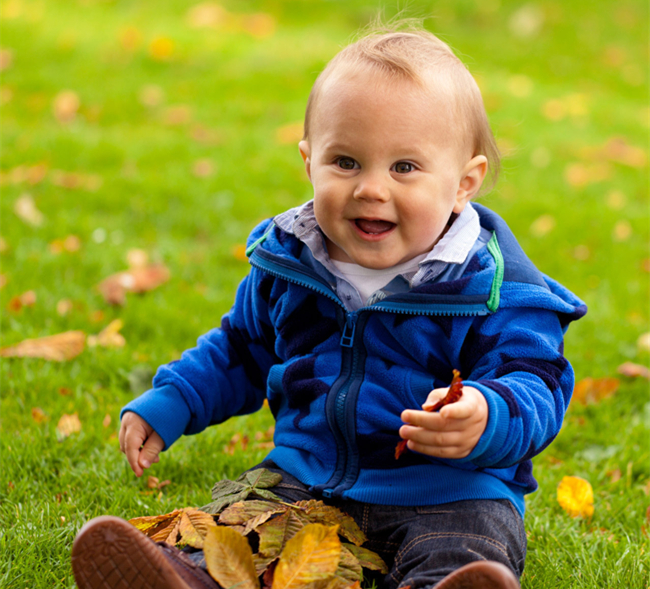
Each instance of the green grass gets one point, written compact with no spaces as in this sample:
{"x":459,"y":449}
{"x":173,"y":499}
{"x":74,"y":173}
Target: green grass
{"x":239,"y":89}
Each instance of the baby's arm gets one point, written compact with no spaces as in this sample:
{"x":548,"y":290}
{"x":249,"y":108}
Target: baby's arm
{"x":139,"y":442}
{"x":453,"y":432}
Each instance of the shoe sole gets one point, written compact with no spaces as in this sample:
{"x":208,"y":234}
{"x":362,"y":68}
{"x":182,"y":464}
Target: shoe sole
{"x":478,"y":576}
{"x":110,"y":553}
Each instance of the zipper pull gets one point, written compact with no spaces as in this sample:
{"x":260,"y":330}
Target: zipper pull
{"x":348,"y":331}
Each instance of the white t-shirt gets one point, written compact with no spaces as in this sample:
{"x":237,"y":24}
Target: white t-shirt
{"x":367,"y":280}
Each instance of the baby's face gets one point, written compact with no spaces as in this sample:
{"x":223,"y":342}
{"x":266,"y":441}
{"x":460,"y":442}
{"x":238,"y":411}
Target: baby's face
{"x":386,"y":168}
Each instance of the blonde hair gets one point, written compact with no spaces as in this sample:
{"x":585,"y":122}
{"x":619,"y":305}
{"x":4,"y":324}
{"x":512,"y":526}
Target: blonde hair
{"x":414,"y":54}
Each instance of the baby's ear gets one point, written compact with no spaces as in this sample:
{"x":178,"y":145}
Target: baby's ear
{"x":471,"y":180}
{"x":305,"y":152}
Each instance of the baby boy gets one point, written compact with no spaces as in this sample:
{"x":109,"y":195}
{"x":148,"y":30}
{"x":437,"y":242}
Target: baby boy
{"x":358,"y":306}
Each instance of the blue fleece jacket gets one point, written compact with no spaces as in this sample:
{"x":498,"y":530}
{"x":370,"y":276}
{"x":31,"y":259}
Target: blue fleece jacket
{"x":337,"y":381}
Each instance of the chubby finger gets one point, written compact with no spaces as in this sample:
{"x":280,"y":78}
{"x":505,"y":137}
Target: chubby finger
{"x":431,"y":421}
{"x":439,"y":451}
{"x":150,"y":450}
{"x":426,"y":437}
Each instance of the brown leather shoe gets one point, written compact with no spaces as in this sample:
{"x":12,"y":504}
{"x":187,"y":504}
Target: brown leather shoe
{"x":109,"y":553}
{"x":484,"y":574}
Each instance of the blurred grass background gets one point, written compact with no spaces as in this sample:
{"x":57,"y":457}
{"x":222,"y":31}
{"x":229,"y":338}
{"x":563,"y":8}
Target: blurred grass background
{"x":171,"y":127}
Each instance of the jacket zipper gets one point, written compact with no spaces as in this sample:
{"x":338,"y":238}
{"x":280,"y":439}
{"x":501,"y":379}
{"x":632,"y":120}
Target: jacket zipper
{"x":343,"y":394}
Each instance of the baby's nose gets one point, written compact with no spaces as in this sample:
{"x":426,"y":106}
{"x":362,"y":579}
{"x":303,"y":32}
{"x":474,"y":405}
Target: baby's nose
{"x":371,"y":187}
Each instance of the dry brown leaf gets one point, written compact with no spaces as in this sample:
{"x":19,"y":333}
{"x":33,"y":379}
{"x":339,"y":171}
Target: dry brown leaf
{"x":27,"y":299}
{"x":593,"y":390}
{"x":618,"y":150}
{"x":632,"y":370}
{"x":68,"y":424}
{"x":65,"y":106}
{"x":312,"y":555}
{"x":57,"y":348}
{"x":160,"y":528}
{"x":137,"y":280}
{"x":38,"y":415}
{"x":194,"y":525}
{"x":106,"y":421}
{"x":109,"y":337}
{"x":26,"y":210}
{"x":229,"y":559}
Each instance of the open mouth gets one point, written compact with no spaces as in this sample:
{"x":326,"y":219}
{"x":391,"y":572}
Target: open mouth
{"x":373,"y":227}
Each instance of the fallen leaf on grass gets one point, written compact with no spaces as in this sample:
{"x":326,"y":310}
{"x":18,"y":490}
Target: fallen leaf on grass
{"x":65,"y":106}
{"x":229,"y":559}
{"x":312,"y":555}
{"x":136,"y":280}
{"x":26,"y":210}
{"x":109,"y":337}
{"x":154,"y":483}
{"x":632,"y":370}
{"x":643,"y":343}
{"x":183,"y":526}
{"x":206,"y":15}
{"x":27,"y":299}
{"x":576,"y":496}
{"x":68,"y":424}
{"x":57,"y":348}
{"x":593,"y":390}
{"x":38,"y":415}
{"x":161,"y":48}
{"x":106,"y":421}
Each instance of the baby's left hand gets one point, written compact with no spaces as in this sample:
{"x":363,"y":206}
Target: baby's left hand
{"x":450,"y":433}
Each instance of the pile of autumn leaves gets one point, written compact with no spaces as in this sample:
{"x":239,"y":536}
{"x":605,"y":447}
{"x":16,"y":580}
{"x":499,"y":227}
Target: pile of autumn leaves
{"x":253,"y":539}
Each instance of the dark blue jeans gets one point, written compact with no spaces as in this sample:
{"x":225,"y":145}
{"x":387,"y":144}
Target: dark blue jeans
{"x":422,"y":545}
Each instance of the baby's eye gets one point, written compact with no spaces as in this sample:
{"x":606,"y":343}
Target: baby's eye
{"x":404,"y":167}
{"x":346,"y":163}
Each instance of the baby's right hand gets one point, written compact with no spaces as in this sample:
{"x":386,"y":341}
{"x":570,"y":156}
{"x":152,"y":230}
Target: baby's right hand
{"x":139,"y":442}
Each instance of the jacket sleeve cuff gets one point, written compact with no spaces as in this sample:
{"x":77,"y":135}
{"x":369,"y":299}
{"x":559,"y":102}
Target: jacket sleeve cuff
{"x":165,"y":410}
{"x":496,"y":429}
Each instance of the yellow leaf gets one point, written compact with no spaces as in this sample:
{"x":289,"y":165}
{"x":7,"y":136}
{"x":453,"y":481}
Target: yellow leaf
{"x":68,"y":424}
{"x":161,"y":48}
{"x":160,"y":528}
{"x":194,"y":526}
{"x":313,"y":554}
{"x":57,"y":348}
{"x":239,"y":253}
{"x":576,"y":497}
{"x":109,"y":337}
{"x":229,"y":559}
{"x":106,"y":421}
{"x":206,"y":15}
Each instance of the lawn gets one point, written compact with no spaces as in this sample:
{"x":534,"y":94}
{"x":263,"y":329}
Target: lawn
{"x":169,"y":130}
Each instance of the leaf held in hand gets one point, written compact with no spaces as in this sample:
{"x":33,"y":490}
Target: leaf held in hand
{"x":312,"y":555}
{"x":576,"y":496}
{"x":57,"y":348}
{"x":229,"y":559}
{"x":454,"y":393}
